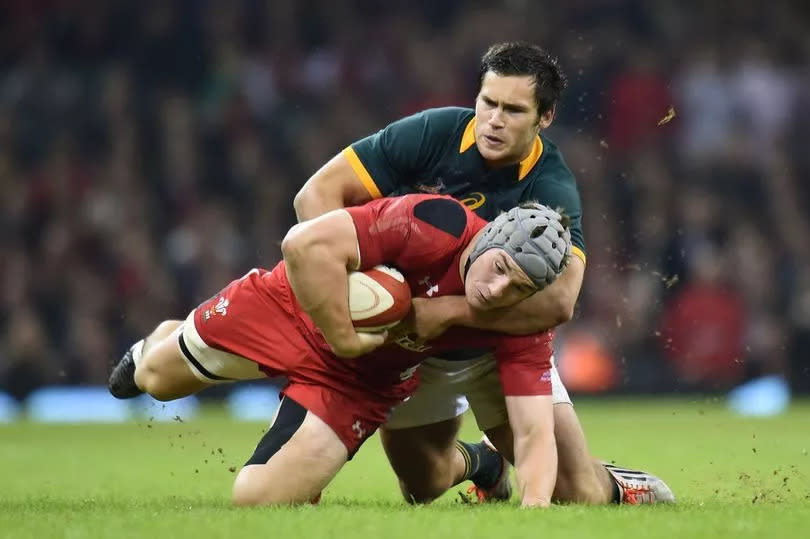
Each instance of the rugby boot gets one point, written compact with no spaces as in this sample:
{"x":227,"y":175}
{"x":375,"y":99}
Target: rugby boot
{"x":122,"y":380}
{"x":500,"y":491}
{"x":638,"y":488}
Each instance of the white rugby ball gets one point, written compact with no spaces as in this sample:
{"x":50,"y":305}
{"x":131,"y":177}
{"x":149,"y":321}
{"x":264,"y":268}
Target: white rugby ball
{"x":378,"y":298}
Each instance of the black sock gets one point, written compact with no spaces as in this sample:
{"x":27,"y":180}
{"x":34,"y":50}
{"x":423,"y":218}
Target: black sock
{"x":483,"y":465}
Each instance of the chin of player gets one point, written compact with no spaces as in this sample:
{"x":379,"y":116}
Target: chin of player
{"x":489,"y":153}
{"x":496,"y":154}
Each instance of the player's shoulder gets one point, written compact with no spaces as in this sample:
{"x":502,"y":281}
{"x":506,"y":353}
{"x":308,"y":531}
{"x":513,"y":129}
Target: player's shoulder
{"x":443,"y":213}
{"x":552,"y":165}
{"x":431,"y":229}
{"x":449,"y":114}
{"x":445,"y":119}
{"x":430,"y":130}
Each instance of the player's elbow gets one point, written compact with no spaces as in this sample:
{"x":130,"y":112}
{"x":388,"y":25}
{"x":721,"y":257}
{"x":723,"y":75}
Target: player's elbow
{"x":302,"y":200}
{"x":562,"y":305}
{"x":294,"y":242}
{"x":317,"y":197}
{"x":564,"y":310}
{"x":300,"y":241}
{"x":558,"y":308}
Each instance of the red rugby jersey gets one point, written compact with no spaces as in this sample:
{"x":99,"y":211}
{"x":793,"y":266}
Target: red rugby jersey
{"x":423,"y":236}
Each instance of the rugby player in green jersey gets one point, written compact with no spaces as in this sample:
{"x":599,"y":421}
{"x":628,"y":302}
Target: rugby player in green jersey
{"x":492,"y":158}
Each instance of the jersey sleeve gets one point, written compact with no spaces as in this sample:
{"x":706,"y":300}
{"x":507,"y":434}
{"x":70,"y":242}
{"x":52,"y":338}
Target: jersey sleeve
{"x":524,"y":364}
{"x":410,"y":232}
{"x":404,"y":151}
{"x":559,"y":190}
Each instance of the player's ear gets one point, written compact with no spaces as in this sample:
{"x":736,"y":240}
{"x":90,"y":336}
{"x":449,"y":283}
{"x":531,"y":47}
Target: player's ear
{"x":546,"y":118}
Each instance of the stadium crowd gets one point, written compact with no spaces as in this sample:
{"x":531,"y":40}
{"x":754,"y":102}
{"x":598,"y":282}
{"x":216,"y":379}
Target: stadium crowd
{"x":150,"y":151}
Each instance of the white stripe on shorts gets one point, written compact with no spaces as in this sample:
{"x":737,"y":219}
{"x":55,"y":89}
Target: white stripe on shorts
{"x":226,"y":367}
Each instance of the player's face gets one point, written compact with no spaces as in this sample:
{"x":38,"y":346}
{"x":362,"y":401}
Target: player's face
{"x":494,"y":280}
{"x":506,"y":118}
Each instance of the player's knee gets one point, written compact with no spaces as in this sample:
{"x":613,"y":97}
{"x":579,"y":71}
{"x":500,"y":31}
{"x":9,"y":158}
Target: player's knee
{"x":250,"y":491}
{"x":240,"y":495}
{"x":419,"y":494}
{"x":245,"y":491}
{"x":413,"y":494}
{"x":425,"y":487}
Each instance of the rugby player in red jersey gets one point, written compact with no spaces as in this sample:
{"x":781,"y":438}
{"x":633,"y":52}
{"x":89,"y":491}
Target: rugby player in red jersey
{"x":294,"y":321}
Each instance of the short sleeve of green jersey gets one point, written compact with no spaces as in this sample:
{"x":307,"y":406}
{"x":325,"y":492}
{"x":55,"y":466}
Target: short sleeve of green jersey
{"x":406,"y":150}
{"x":559,"y":190}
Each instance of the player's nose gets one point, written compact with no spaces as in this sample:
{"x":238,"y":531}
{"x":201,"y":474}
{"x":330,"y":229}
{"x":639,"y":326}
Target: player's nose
{"x":499,"y":286}
{"x":496,"y":118}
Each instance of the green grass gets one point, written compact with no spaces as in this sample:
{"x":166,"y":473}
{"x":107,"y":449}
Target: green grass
{"x":735,"y":477}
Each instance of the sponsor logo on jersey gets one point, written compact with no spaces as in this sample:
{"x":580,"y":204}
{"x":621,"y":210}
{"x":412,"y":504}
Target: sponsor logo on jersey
{"x":221,"y":308}
{"x":431,"y":288}
{"x":360,"y":431}
{"x":474,"y":200}
{"x":436,"y":189}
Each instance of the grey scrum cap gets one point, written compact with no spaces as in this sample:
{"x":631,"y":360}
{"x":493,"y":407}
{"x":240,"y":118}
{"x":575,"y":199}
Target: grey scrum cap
{"x":534,"y":236}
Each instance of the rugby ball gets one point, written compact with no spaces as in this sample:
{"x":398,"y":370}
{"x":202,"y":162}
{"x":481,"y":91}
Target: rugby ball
{"x":378,"y":298}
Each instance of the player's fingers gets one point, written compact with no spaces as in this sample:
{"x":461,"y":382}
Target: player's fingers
{"x":371,"y":341}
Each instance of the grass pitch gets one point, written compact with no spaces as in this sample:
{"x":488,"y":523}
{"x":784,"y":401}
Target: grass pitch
{"x":735,"y":477}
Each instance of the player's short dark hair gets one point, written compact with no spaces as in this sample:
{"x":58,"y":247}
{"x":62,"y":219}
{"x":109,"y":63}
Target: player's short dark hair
{"x":521,"y":59}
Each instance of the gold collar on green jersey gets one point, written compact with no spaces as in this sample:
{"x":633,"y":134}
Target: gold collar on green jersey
{"x":468,"y":139}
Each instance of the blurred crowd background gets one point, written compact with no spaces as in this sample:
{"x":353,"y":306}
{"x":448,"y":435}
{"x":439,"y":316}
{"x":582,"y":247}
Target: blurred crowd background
{"x":149,"y":153}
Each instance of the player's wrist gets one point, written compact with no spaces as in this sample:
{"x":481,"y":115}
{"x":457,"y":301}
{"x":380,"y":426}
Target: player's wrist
{"x":342,"y":340}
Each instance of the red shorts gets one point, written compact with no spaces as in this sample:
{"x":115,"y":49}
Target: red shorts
{"x":254,"y":318}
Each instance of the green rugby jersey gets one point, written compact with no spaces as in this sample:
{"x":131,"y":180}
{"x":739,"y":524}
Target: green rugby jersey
{"x":434,"y":151}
